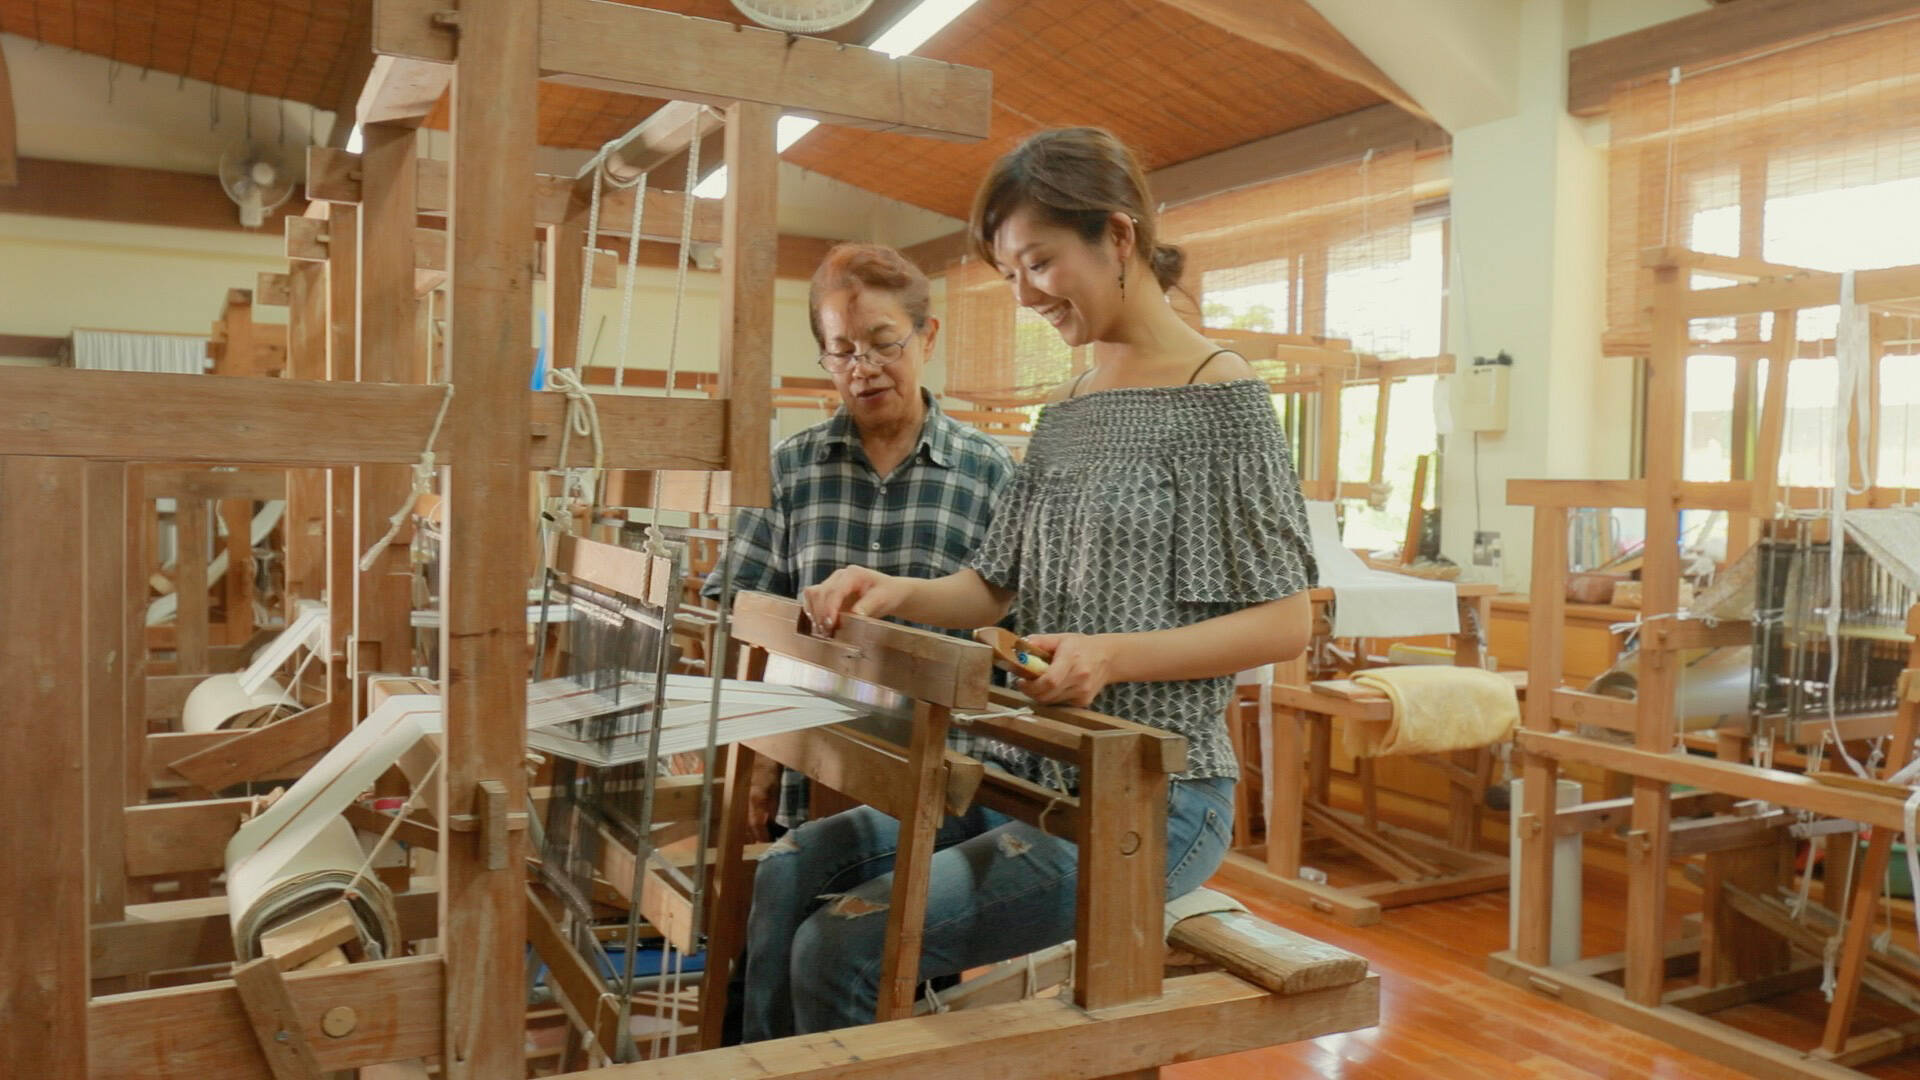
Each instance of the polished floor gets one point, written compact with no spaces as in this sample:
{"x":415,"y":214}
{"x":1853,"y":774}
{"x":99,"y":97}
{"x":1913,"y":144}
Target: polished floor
{"x":1442,"y":1016}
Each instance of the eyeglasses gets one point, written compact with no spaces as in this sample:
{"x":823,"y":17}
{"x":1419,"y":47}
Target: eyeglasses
{"x":877,"y":356}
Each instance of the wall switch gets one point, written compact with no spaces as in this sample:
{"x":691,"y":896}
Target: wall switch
{"x":1486,"y":548}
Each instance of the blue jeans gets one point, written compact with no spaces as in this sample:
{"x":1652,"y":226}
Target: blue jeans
{"x":999,"y":888}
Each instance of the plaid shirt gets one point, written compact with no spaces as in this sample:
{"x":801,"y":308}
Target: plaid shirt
{"x":830,"y":509}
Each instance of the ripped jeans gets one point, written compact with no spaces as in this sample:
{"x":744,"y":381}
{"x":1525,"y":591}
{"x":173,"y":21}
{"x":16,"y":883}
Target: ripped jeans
{"x":999,"y":888}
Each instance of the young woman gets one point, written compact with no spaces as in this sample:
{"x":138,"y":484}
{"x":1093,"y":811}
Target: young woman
{"x":1154,"y":542}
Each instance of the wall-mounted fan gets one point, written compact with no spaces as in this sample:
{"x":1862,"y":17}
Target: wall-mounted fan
{"x":256,"y":179}
{"x":802,"y":16}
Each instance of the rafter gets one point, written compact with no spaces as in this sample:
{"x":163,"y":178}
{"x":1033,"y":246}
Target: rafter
{"x":1295,"y":28}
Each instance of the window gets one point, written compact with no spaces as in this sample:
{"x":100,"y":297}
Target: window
{"x":1807,"y":157}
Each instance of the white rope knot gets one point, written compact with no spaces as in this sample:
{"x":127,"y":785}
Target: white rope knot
{"x":422,"y":485}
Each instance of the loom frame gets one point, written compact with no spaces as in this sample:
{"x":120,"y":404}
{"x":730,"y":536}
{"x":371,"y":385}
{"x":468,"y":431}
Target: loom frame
{"x":1736,"y":954}
{"x":65,"y":435}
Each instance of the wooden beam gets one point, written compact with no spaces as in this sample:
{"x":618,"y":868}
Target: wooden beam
{"x":383,"y":593}
{"x":73,"y":189}
{"x":9,"y":137}
{"x":1199,"y":1016}
{"x":181,"y":837}
{"x":1304,"y":149}
{"x":921,"y":664}
{"x":356,"y":50}
{"x":276,"y":1023}
{"x":483,"y":647}
{"x":201,"y":1032}
{"x":1746,"y":781}
{"x":254,"y":754}
{"x":104,"y":594}
{"x":337,"y":176}
{"x":746,"y":299}
{"x":43,"y":772}
{"x":285,"y":422}
{"x":400,"y":91}
{"x":1293,"y":27}
{"x":58,"y":350}
{"x":1719,"y":33}
{"x":634,"y":50}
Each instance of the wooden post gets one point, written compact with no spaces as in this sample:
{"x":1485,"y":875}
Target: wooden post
{"x":1123,"y":866}
{"x":343,"y":316}
{"x":483,"y":634}
{"x":1326,"y":455}
{"x":306,"y":520}
{"x":567,"y":259}
{"x":190,"y":585}
{"x":750,"y":240}
{"x":906,"y":916}
{"x":728,"y":896}
{"x":1773,"y":413}
{"x":237,"y":585}
{"x":135,"y":512}
{"x":383,"y":595}
{"x":1647,"y":836}
{"x":1541,"y":775}
{"x":1873,"y":865}
{"x":43,"y":772}
{"x":104,"y":595}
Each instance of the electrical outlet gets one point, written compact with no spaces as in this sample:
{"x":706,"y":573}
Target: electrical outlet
{"x":1486,"y":548}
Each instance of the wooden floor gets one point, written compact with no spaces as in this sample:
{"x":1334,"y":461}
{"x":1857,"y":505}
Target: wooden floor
{"x":1441,"y":1015}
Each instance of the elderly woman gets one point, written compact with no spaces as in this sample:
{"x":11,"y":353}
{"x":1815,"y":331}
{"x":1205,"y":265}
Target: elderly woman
{"x":889,"y":481}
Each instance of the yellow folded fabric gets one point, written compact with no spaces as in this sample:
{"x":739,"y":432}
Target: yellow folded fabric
{"x":1435,"y":709}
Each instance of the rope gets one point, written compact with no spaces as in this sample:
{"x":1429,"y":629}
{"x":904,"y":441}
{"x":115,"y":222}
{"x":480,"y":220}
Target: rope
{"x":422,"y":485}
{"x":656,"y":543}
{"x":393,"y":826}
{"x":586,"y":270}
{"x":1850,"y":389}
{"x":639,"y":186}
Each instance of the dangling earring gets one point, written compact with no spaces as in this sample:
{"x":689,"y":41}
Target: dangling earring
{"x":1123,"y":281}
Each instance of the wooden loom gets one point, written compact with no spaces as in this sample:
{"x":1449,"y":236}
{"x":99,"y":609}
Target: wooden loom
{"x":1296,"y":805}
{"x":63,"y":473}
{"x":1742,"y":951}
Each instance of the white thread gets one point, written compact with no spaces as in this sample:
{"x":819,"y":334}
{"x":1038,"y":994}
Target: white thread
{"x":393,"y":826}
{"x":1851,"y":347}
{"x":933,"y":996}
{"x":422,"y":485}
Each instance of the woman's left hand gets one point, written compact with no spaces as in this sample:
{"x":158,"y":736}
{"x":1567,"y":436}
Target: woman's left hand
{"x":1079,"y":666}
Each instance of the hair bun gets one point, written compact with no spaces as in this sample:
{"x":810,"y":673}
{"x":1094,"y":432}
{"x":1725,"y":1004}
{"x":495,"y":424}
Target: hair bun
{"x":1168,"y":262}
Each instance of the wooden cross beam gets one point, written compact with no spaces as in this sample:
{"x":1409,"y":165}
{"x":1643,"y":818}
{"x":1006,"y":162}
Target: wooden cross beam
{"x":636,"y":50}
{"x":335,"y":176}
{"x":135,"y":416}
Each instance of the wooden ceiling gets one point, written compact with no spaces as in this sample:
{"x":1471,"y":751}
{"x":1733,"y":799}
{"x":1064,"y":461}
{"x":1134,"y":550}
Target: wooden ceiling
{"x":1172,"y":86}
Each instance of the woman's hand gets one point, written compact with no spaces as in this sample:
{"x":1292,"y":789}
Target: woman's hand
{"x":855,"y":589}
{"x":1079,"y":666}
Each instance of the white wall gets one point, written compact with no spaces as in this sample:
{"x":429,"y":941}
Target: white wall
{"x":59,"y":273}
{"x":1529,"y":204}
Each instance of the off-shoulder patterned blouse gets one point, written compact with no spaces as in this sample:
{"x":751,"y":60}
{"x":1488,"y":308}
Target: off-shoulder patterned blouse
{"x":1152,"y":508}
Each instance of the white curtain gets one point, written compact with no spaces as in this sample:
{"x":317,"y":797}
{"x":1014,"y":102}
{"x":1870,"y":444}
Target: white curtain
{"x":112,"y":350}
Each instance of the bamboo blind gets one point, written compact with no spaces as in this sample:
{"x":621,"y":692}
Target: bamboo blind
{"x":1716,"y":161}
